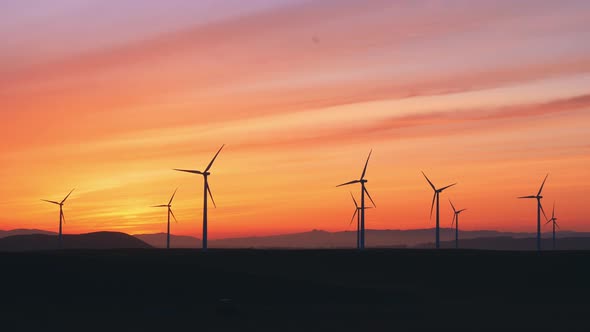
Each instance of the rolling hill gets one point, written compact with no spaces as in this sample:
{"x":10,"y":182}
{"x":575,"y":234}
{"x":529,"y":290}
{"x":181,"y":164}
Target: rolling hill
{"x":98,"y":240}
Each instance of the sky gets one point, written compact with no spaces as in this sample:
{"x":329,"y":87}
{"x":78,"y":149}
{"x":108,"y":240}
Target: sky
{"x":109,"y":97}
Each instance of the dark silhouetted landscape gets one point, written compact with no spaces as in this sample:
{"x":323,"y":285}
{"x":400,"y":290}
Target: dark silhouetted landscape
{"x":296,"y":290}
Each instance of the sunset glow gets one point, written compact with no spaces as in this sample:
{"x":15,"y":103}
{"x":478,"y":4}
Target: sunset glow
{"x":109,"y":97}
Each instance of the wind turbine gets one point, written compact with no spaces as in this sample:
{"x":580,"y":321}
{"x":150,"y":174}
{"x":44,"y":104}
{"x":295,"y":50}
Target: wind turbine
{"x":62,"y":218}
{"x":539,"y":210}
{"x":364,"y":191}
{"x":357,"y":214}
{"x":456,"y":223}
{"x":170,"y":213}
{"x":206,"y":190}
{"x":555,"y":224}
{"x":436,"y":198}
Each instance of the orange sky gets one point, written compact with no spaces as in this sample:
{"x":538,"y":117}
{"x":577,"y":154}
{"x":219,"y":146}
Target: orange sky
{"x":108,"y":98}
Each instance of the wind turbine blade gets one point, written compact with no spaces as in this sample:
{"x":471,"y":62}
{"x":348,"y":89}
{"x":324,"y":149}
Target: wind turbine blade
{"x":211,"y":195}
{"x":354,"y":215}
{"x":542,"y":185}
{"x":159,"y":206}
{"x":557,"y":225}
{"x":63,"y":217}
{"x":527,"y":197}
{"x":429,"y":182}
{"x":548,"y":221}
{"x":52,"y":202}
{"x":449,"y":186}
{"x":432,"y":206}
{"x":461,"y":210}
{"x":542,"y":210}
{"x":189,"y":171}
{"x":172,"y":198}
{"x":553,"y":212}
{"x":347,"y":183}
{"x":354,"y":200}
{"x":212,"y":160}
{"x":68,"y":196}
{"x":454,"y":210}
{"x":454,"y":217}
{"x":173,"y":216}
{"x":366,"y":164}
{"x":369,"y":195}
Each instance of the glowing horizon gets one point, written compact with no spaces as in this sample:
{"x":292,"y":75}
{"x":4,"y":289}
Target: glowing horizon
{"x":109,"y":98}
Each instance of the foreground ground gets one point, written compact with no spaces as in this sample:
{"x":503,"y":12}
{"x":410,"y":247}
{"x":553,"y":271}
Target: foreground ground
{"x":377,"y":290}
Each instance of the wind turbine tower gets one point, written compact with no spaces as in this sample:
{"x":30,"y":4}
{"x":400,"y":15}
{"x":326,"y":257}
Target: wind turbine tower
{"x":357,"y":214}
{"x":170,"y":213}
{"x":555,"y":224}
{"x":364,"y":191}
{"x":456,"y":223}
{"x":540,"y":209}
{"x":206,"y":190}
{"x":62,"y":218}
{"x":436,"y":198}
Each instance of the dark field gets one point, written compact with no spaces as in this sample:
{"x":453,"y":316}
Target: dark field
{"x":337,"y":290}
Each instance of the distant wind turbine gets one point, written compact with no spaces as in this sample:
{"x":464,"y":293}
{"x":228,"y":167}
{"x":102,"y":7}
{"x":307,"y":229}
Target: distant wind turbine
{"x":555,"y":224}
{"x":170,"y":213}
{"x":206,"y":190}
{"x":62,"y":218}
{"x":436,"y":198}
{"x":357,"y":214}
{"x":456,"y":223}
{"x":538,"y":197}
{"x":364,"y":191}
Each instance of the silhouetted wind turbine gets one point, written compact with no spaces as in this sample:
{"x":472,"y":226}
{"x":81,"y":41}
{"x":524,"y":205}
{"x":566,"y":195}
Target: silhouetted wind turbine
{"x":456,"y":223}
{"x":436,"y":198}
{"x":555,"y":224}
{"x":62,"y":218}
{"x":206,"y":191}
{"x":364,"y":191}
{"x":357,"y":214}
{"x":170,"y":213}
{"x":539,"y":210}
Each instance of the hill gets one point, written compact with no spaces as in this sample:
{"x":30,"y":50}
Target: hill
{"x":24,"y":231}
{"x":98,"y":240}
{"x":318,"y":239}
{"x":158,"y":240}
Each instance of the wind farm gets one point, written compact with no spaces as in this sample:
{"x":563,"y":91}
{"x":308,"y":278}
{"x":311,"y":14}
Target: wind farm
{"x":217,"y":149}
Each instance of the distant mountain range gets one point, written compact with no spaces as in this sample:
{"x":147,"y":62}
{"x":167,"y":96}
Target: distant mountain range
{"x":510,"y":243}
{"x":98,"y":240}
{"x":25,"y":239}
{"x":318,"y":239}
